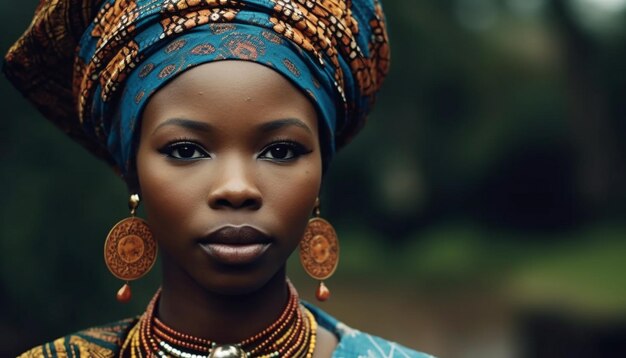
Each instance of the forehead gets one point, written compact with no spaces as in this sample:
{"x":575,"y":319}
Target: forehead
{"x":220,"y":91}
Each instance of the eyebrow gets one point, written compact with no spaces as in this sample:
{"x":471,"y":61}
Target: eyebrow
{"x":206,"y":127}
{"x":186,"y":123}
{"x":281,"y":123}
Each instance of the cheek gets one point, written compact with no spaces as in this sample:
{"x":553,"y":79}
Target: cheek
{"x":292,"y":198}
{"x":167,"y":197}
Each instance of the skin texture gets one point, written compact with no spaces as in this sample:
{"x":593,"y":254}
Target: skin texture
{"x":228,"y":143}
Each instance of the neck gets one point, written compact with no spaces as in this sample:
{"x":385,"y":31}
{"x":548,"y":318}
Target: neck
{"x":191,"y":309}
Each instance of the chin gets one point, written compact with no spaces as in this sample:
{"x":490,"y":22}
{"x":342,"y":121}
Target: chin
{"x":237,"y":282}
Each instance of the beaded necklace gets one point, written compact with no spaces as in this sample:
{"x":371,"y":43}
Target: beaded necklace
{"x":293,"y":335}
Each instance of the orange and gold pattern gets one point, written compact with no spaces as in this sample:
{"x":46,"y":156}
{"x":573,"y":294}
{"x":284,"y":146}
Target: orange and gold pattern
{"x":40,"y":65}
{"x":327,"y":27}
{"x":176,"y":24}
{"x":97,"y":342}
{"x":116,"y":54}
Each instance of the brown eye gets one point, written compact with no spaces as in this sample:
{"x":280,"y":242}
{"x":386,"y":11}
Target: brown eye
{"x":280,"y":152}
{"x":185,"y":151}
{"x":283,"y":151}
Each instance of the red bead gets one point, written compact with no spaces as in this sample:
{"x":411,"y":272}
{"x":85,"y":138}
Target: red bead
{"x":322,"y":293}
{"x":124,"y":295}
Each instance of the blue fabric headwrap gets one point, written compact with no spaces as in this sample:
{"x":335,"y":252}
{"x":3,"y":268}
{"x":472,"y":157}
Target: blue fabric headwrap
{"x":334,"y":51}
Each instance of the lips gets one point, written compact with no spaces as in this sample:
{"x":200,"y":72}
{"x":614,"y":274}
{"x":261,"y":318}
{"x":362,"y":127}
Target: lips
{"x":236,"y":245}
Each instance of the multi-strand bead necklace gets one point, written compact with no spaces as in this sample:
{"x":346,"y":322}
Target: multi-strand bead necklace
{"x":292,"y":335}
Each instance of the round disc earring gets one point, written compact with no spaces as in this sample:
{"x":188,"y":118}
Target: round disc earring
{"x":319,"y":251}
{"x":130,"y":251}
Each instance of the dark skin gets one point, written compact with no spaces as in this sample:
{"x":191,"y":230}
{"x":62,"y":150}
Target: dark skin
{"x":229,"y":143}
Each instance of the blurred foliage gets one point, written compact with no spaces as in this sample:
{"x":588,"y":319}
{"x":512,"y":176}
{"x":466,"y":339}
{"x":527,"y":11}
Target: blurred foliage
{"x":494,"y":160}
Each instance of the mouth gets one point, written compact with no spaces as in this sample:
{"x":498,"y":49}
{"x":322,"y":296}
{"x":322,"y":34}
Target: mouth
{"x":236,"y":245}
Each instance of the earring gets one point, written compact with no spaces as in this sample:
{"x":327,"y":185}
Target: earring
{"x":129,"y":250}
{"x":319,"y":251}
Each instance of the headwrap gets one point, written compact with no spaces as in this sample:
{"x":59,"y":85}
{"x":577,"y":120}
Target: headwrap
{"x":90,"y":66}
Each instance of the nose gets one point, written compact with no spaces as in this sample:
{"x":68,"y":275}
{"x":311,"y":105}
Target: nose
{"x":234,"y":187}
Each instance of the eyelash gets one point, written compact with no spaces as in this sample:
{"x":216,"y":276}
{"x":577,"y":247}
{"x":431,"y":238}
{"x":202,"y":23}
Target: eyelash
{"x":178,"y":144}
{"x":295,"y":148}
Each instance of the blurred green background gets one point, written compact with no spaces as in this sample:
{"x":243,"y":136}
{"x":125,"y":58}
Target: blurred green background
{"x":481,"y":212}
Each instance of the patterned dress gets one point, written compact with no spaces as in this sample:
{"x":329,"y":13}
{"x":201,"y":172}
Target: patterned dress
{"x":105,"y":341}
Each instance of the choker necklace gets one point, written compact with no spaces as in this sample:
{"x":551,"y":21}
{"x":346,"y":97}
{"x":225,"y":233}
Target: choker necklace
{"x":293,"y":335}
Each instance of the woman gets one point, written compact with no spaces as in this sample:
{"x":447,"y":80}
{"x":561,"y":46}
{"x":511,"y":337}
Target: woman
{"x":221,"y":116}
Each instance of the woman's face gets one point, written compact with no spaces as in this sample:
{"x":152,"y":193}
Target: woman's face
{"x":229,"y":167}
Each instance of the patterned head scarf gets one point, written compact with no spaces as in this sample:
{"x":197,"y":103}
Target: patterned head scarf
{"x":90,"y":66}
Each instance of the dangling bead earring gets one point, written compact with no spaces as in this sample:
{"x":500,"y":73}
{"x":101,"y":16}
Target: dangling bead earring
{"x":130,"y":250}
{"x":319,"y":251}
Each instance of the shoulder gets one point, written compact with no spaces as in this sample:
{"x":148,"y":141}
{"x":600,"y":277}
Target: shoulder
{"x":101,"y":341}
{"x":354,"y":343}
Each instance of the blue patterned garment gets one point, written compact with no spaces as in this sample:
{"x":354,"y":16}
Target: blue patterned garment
{"x":90,"y":66}
{"x":356,"y":344}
